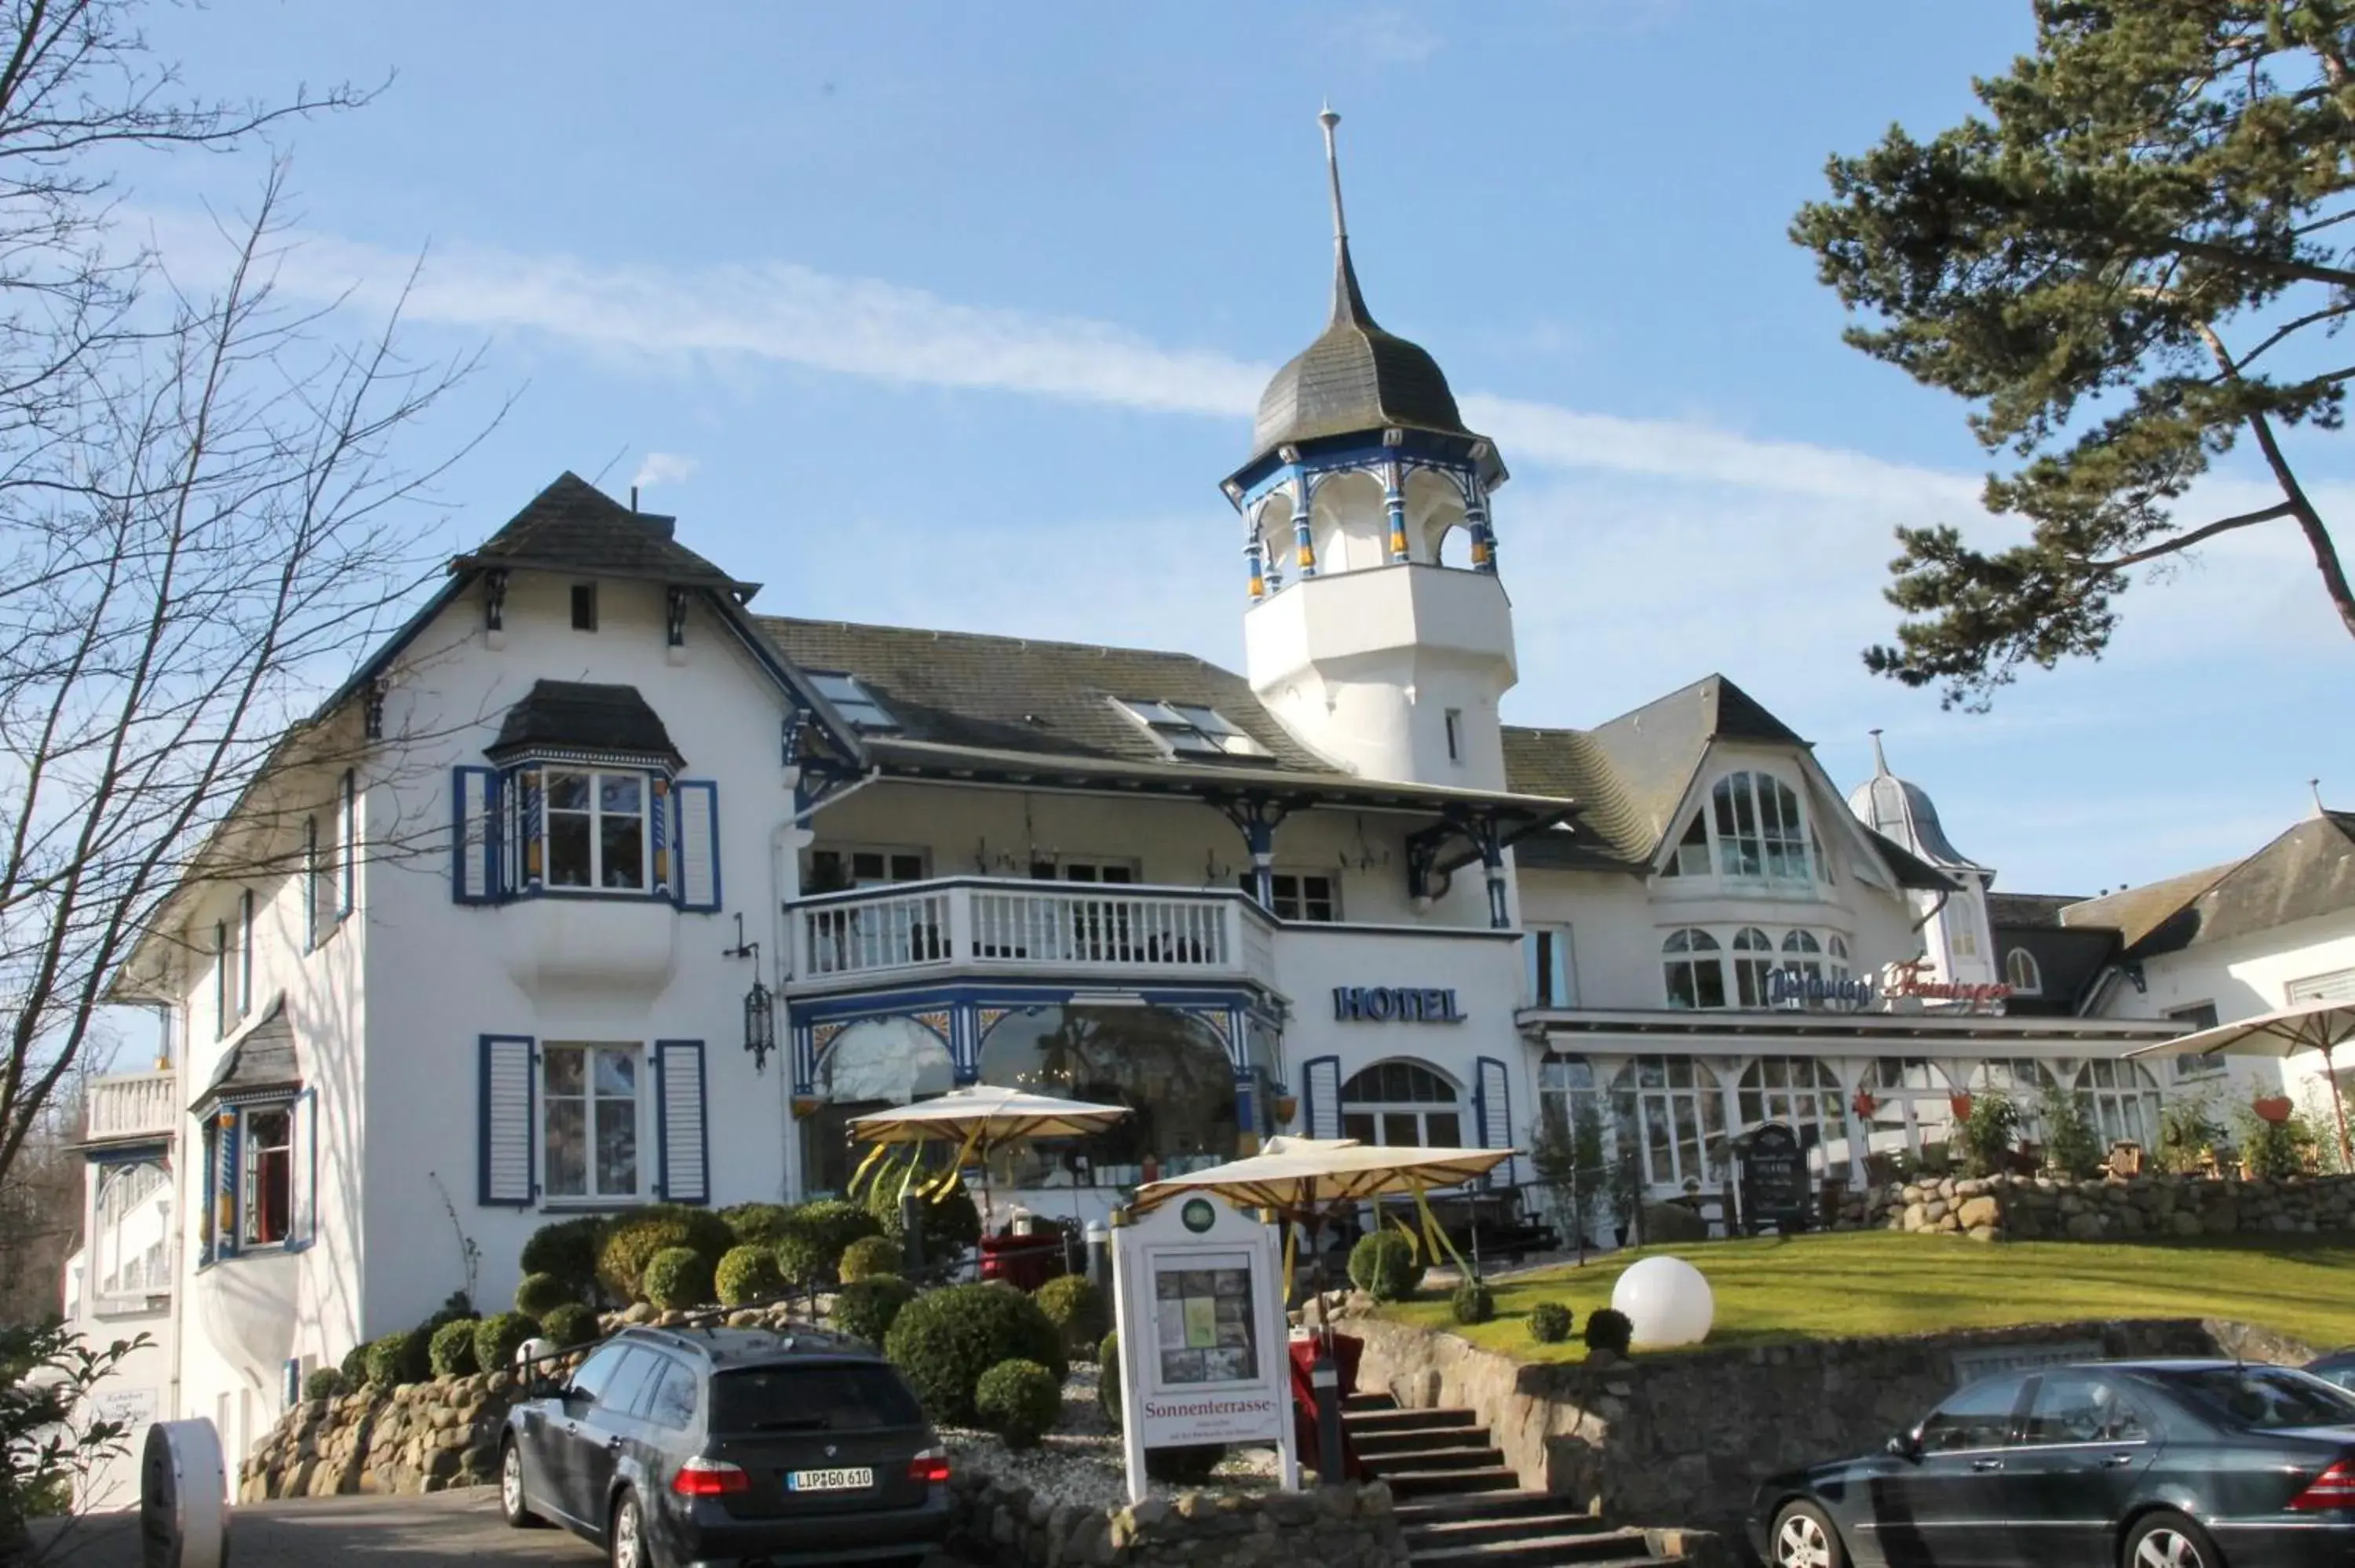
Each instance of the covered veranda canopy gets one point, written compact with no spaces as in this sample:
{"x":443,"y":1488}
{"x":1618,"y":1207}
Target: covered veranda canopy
{"x":2322,"y":1026}
{"x":1309,"y":1178}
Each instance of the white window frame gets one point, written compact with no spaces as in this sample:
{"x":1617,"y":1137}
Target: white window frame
{"x":846,"y":854}
{"x":1753,"y":952}
{"x":1190,"y":729}
{"x":1459,"y":1106}
{"x":1299,"y":897}
{"x":859,"y":707}
{"x":1549,"y":966}
{"x":596,"y":815}
{"x":1720,"y":843}
{"x":1699,"y":948}
{"x":248,"y":1174}
{"x":2018,"y":962}
{"x":644,"y":1151}
{"x":1100,"y":870}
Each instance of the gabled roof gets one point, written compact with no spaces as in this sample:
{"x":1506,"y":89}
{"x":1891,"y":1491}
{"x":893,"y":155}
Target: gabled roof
{"x":2029,"y":911}
{"x":2304,"y":873}
{"x":585,"y":715}
{"x":2135,"y":913}
{"x":262,"y":1058}
{"x":572,"y":526}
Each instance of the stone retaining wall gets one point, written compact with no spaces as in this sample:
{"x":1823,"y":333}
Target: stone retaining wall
{"x":419,"y":1437}
{"x":1332,"y":1527}
{"x":2046,"y":1208}
{"x":1682,"y":1439}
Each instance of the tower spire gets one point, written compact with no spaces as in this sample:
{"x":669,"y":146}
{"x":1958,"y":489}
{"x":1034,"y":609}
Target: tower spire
{"x":1879,"y":762}
{"x":1348,"y":304}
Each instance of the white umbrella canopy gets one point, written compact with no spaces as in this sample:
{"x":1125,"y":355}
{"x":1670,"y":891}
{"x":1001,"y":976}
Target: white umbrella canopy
{"x":984,"y":1114}
{"x":2308,"y":1026}
{"x":1307,"y":1177}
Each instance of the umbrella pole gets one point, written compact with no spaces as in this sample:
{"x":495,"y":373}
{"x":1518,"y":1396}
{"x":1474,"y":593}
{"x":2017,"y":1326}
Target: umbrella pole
{"x":1324,"y":1377}
{"x":2338,"y":1104}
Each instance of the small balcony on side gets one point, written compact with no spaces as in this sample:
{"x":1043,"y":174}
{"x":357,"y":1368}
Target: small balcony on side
{"x":133,"y":1106}
{"x":1123,"y":932}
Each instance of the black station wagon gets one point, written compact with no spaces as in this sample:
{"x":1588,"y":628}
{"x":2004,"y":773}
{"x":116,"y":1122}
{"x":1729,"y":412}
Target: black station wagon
{"x":729,"y":1448}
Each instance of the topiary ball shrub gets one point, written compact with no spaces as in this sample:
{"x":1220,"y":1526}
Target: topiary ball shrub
{"x":1549,"y":1322}
{"x":498,"y":1337}
{"x":1384,"y":1266}
{"x":1189,"y":1465}
{"x":1108,"y":1378}
{"x":568,"y":1250}
{"x":802,"y":1262}
{"x":944,"y":1339}
{"x":632,"y":1245}
{"x":748,"y":1274}
{"x":948,"y":1226}
{"x":822,"y":1231}
{"x":755,"y":1225}
{"x":865,"y":1309}
{"x":540,"y":1293}
{"x":870,"y":1256}
{"x":324,"y":1383}
{"x":354,"y":1368}
{"x":570,"y":1324}
{"x":1077,"y":1309}
{"x":1019,"y":1401}
{"x":677,"y":1278}
{"x":1473,"y":1302}
{"x":1609,"y":1330}
{"x":451,"y":1352}
{"x":404,"y":1357}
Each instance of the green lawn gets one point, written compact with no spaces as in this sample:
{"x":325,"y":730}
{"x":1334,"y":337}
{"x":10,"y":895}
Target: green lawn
{"x":1771,"y":1289}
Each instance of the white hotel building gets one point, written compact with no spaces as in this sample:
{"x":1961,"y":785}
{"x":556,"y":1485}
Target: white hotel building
{"x":501,"y":976}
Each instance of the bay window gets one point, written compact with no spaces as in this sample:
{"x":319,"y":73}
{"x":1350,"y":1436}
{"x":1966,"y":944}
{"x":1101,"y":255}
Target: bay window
{"x":596,"y":829}
{"x":1695,"y":975}
{"x":1760,"y":832}
{"x":1754,"y":962}
{"x":259,"y":1159}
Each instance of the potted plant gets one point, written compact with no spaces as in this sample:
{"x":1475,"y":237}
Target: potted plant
{"x":1283,"y":1103}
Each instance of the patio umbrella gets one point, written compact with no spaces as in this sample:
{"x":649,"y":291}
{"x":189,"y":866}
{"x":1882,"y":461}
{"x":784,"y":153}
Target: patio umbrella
{"x":978,"y":1121}
{"x":2309,"y":1026}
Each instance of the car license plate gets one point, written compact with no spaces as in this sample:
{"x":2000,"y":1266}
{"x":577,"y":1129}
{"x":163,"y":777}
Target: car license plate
{"x":844,"y":1480}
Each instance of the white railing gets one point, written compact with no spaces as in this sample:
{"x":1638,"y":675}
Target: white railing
{"x":133,"y":1105}
{"x":978,"y":922}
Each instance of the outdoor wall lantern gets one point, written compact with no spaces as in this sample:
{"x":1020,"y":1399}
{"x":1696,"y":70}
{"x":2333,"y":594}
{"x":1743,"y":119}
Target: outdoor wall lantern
{"x":760,"y":1007}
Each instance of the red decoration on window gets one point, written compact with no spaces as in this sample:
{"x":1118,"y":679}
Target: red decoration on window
{"x":1864,"y":1104}
{"x":1962,"y":1104}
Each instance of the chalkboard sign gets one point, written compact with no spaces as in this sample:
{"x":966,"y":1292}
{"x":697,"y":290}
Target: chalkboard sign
{"x":1772,"y":1168}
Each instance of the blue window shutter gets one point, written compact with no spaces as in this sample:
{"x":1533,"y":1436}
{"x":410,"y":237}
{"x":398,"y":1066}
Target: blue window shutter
{"x":695,"y":810}
{"x":474,"y":846}
{"x":303,"y":1226}
{"x":1492,"y":1110}
{"x":1320,"y":1096}
{"x":509,"y":1122}
{"x":310,"y":883}
{"x":347,"y":846}
{"x":683,"y":1152}
{"x":245,"y":952}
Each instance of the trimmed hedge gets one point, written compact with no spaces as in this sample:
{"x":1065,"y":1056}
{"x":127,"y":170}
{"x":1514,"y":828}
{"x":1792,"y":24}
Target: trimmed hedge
{"x":823,"y":1231}
{"x":540,"y":1293}
{"x":1383,"y":1265}
{"x":354,"y":1368}
{"x":1549,"y":1322}
{"x":677,"y":1279}
{"x":749,"y":1273}
{"x":865,"y":1309}
{"x":870,"y":1256}
{"x":1609,"y":1330}
{"x":498,"y":1337}
{"x":633,"y":1243}
{"x":755,"y":1225}
{"x":404,"y":1357}
{"x":568,"y":1250}
{"x":570,"y":1324}
{"x":944,"y":1339}
{"x":802,"y":1262}
{"x":451,"y":1352}
{"x":1019,"y":1401}
{"x":1077,"y":1309}
{"x":324,"y":1383}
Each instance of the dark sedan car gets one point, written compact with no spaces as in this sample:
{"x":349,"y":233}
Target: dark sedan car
{"x":2337,"y":1367}
{"x":730,"y":1448}
{"x":2112,"y":1465}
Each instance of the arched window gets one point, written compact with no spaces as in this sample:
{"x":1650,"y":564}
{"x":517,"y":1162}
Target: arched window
{"x":2019,"y":969}
{"x":1671,"y":1117}
{"x":2121,"y":1098}
{"x":1168,"y":1068}
{"x":1696,"y":977}
{"x":1753,"y":961}
{"x":1801,"y":1092}
{"x":1402,"y":1105}
{"x":2023,"y":1081}
{"x":133,"y":1225}
{"x":1760,"y":834}
{"x":1837,"y":966}
{"x":1692,"y":858}
{"x":1803,"y":955}
{"x":869,"y":1066}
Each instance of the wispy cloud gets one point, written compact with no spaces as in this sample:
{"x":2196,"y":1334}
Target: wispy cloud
{"x":663,"y":468}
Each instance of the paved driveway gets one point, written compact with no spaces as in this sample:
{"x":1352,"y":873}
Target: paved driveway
{"x":444,"y":1529}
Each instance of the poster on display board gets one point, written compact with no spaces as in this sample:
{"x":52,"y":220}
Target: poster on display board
{"x":1198,"y":1297}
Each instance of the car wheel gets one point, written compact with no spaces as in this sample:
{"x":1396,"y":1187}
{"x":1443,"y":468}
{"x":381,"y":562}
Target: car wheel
{"x":2169,"y":1539}
{"x":1803,"y":1537}
{"x":625,"y":1538}
{"x":511,"y":1503}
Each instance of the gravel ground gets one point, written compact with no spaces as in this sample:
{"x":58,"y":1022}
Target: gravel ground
{"x":1081,"y":1460}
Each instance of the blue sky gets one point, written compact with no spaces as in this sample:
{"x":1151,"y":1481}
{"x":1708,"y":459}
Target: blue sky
{"x":952,"y":315}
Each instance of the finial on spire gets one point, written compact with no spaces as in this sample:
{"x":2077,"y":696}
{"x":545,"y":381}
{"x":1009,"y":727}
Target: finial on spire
{"x":1328,"y":118}
{"x":1348,"y":304}
{"x":2316,"y":786}
{"x":1879,"y":762}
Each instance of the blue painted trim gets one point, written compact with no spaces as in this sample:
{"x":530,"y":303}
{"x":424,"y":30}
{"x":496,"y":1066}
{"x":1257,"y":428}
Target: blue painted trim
{"x":662,"y":1128}
{"x":347,"y":849}
{"x":488,"y":1045}
{"x":662,"y":1048}
{"x":1331,"y":454}
{"x":458,"y":845}
{"x":1309,"y":1093}
{"x":128,"y":1153}
{"x":851,"y":1007}
{"x":710,"y":790}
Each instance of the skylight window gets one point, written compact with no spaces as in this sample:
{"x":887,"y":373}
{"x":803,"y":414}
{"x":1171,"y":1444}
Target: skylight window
{"x":1192,"y":731}
{"x":851,"y":701}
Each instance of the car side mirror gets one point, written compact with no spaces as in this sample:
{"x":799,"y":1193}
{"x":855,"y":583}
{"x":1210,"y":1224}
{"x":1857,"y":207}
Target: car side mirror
{"x":1905,"y":1445}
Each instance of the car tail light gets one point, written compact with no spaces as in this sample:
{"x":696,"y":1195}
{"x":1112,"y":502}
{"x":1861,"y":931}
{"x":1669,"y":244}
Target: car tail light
{"x":2335,"y":1487}
{"x":929,"y":1467}
{"x":702,"y":1477}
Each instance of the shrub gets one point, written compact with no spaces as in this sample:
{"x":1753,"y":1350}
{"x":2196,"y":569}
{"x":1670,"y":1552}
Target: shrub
{"x":569,"y":1250}
{"x":755,"y":1223}
{"x":949,"y":1227}
{"x":865,"y":1309}
{"x":498,"y":1337}
{"x":677,"y":1279}
{"x":2071,"y":1145}
{"x":1988,"y":1134}
{"x":573,"y":1323}
{"x":2275,"y":1150}
{"x":451,"y":1352}
{"x":326,"y":1383}
{"x":1077,"y":1309}
{"x":872,"y":1255}
{"x":749,"y":1273}
{"x":456,"y":1307}
{"x":354,"y":1368}
{"x":1549,"y":1322}
{"x":802,"y":1262}
{"x":826,"y":1227}
{"x":1608,"y":1328}
{"x":404,"y":1357}
{"x":1384,"y":1266}
{"x":1019,"y":1401}
{"x":632,"y":1245}
{"x":1108,"y":1378}
{"x":944,"y":1339}
{"x":540,"y":1293}
{"x":1473,"y":1302}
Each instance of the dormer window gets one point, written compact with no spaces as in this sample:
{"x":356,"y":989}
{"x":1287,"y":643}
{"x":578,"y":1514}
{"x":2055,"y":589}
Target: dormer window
{"x":859,"y":710}
{"x":1188,"y":729}
{"x":1760,"y":835}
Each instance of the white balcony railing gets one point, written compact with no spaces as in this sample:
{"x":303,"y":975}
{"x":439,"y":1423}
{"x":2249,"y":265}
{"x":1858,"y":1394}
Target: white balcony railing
{"x":135,"y":1104}
{"x":983,"y":924}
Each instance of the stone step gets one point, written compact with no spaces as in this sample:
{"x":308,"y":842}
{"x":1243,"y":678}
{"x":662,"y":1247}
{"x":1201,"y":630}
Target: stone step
{"x":1471,"y":1529}
{"x":1359,"y":1403}
{"x":1407,"y":1420}
{"x":1413,"y":1438}
{"x":1417,"y":1460}
{"x":1516,"y":1504}
{"x":1425,"y":1483}
{"x":1579,"y":1546}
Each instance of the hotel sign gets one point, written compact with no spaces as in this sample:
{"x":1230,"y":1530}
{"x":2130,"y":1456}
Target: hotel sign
{"x":1395,"y":1005}
{"x":1796,"y":988}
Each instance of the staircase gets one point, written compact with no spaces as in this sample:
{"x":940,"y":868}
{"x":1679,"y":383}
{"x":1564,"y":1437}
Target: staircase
{"x":1461,"y":1507}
